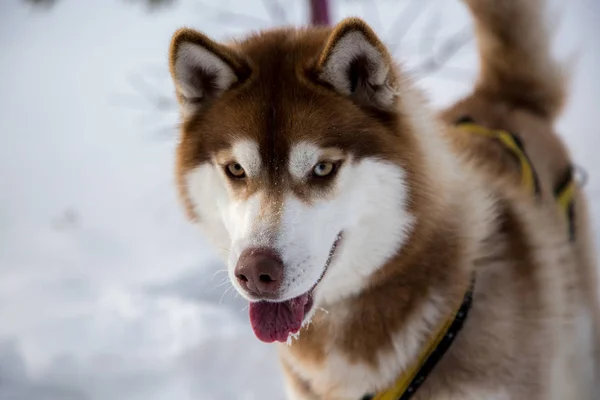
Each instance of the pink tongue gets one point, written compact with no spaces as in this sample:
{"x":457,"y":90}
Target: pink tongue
{"x":275,"y":321}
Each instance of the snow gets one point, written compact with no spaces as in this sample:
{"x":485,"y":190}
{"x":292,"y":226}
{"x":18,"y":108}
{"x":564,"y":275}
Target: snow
{"x":106,"y":292}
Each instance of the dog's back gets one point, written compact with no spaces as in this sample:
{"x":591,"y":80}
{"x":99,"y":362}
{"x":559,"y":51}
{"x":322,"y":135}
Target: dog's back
{"x":521,"y":90}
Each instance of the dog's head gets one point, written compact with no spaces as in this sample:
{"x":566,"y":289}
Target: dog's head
{"x":299,"y":162}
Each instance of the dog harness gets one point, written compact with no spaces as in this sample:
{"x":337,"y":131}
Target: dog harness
{"x":564,"y":193}
{"x":513,"y":144}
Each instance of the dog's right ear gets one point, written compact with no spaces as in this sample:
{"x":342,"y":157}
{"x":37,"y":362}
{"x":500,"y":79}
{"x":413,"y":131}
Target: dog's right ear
{"x":202,"y":69}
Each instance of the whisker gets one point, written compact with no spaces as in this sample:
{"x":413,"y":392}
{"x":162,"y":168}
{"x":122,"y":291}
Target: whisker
{"x":224,"y":282}
{"x":218,"y":272}
{"x":224,"y":293}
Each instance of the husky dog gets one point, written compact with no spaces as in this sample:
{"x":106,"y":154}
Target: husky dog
{"x":355,"y":219}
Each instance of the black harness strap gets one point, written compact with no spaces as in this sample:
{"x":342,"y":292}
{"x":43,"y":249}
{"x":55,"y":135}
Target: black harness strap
{"x":569,"y":208}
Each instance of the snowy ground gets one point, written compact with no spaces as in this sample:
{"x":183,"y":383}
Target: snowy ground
{"x":106,"y":292}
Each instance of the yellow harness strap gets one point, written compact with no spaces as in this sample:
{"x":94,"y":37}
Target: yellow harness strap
{"x":564,"y":193}
{"x":402,"y":384}
{"x":528,"y":177}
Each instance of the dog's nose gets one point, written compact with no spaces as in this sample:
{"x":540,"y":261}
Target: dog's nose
{"x":259,"y":272}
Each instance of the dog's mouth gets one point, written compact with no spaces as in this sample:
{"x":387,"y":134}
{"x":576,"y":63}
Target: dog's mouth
{"x":275,"y":321}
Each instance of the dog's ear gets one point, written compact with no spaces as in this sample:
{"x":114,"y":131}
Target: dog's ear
{"x":357,"y":64}
{"x":202,"y":69}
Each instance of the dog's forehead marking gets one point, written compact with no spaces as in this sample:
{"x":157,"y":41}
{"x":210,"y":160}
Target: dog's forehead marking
{"x":303,"y":157}
{"x":246,"y":152}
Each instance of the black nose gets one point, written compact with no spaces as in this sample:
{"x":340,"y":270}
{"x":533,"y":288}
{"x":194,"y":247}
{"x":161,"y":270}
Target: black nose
{"x":259,"y":272}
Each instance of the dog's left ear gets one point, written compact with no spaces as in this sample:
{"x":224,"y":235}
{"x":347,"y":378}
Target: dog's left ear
{"x":357,"y":64}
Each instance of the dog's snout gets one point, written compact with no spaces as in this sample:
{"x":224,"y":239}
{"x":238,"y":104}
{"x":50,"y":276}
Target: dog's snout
{"x":259,"y":272}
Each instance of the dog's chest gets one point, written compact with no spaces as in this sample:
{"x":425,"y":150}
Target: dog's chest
{"x":339,"y":378}
{"x":341,"y":374}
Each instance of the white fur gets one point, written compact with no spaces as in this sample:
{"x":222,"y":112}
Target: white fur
{"x":474,"y":392}
{"x":225,"y":221}
{"x":208,"y":193}
{"x":292,"y":394}
{"x":351,"y":46}
{"x":303,"y":158}
{"x":193,"y":59}
{"x":370,"y":201}
{"x":247,"y":229}
{"x":247,"y":154}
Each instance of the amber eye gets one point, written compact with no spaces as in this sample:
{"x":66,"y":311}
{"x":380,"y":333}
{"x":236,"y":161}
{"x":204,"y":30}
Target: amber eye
{"x":235,"y":170}
{"x":323,"y":169}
